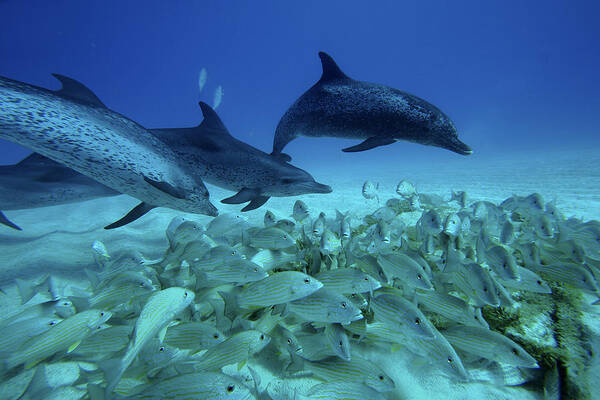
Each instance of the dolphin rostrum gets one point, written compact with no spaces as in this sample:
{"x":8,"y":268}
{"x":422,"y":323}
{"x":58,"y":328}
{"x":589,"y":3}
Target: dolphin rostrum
{"x":73,"y":127}
{"x":338,"y":106}
{"x":37,"y":181}
{"x":229,"y":163}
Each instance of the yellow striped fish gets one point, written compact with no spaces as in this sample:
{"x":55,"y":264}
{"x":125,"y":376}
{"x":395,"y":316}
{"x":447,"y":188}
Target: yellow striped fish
{"x":348,"y":280}
{"x":66,"y":335}
{"x":357,"y":370}
{"x":160,"y":309}
{"x":278,"y":288}
{"x":235,"y":350}
{"x":199,"y":385}
{"x":489,"y":344}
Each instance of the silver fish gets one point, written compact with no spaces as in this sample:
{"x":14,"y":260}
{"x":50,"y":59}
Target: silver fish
{"x":369,"y":190}
{"x":300,"y":211}
{"x":347,"y":281}
{"x":405,"y":188}
{"x":489,"y":344}
{"x":400,"y":314}
{"x":325,"y":306}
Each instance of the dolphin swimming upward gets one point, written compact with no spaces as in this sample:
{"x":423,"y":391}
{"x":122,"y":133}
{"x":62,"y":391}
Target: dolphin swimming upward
{"x":37,"y":181}
{"x":338,"y":106}
{"x":231,"y":164}
{"x":73,"y":127}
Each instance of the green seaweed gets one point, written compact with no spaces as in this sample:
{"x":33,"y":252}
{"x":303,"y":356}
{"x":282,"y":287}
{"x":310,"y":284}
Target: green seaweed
{"x":571,"y":353}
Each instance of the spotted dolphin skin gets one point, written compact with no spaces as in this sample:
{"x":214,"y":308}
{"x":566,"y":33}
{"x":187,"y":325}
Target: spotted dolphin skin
{"x":37,"y":181}
{"x":338,"y":106}
{"x":224,"y":161}
{"x":73,"y":127}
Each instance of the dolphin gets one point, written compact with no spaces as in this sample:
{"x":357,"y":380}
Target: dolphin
{"x":231,"y":164}
{"x":338,"y":106}
{"x":72,"y":126}
{"x":37,"y":181}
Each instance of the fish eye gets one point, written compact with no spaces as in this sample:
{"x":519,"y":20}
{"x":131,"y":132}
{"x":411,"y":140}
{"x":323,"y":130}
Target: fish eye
{"x":52,"y":323}
{"x":450,"y":360}
{"x":341,"y":343}
{"x":514,"y":351}
{"x":504,"y":265}
{"x":380,"y":377}
{"x":306,"y":280}
{"x":161,"y":348}
{"x":538,"y":282}
{"x":485,"y":289}
{"x":419,"y":277}
{"x":417,"y":321}
{"x":66,"y":304}
{"x":102,"y":313}
{"x":366,"y":278}
{"x":476,"y":317}
{"x":343,"y":304}
{"x":216,"y":336}
{"x":255,"y":269}
{"x":185,"y":294}
{"x":289,"y":341}
{"x":230,"y":388}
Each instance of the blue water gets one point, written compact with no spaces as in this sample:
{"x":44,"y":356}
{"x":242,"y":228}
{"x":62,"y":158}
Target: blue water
{"x":512,"y":76}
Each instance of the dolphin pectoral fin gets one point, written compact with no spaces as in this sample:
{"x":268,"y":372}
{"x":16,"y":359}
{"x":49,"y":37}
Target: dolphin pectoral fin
{"x":166,"y":187}
{"x":77,"y":91}
{"x":369,"y":144}
{"x":6,"y":221}
{"x":256,"y":203}
{"x":131,"y":216}
{"x":282,"y":157}
{"x":242,"y":196}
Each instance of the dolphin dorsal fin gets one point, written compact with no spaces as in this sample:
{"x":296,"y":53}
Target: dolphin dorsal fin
{"x":77,"y":91}
{"x":211,"y":121}
{"x":331,"y":71}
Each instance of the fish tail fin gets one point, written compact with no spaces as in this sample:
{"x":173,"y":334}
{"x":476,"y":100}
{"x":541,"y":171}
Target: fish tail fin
{"x":113,"y":370}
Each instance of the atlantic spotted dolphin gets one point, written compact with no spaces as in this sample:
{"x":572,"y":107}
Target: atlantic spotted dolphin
{"x":37,"y":181}
{"x":227,"y":162}
{"x":338,"y":106}
{"x":73,"y":127}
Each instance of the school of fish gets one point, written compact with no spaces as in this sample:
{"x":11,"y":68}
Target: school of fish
{"x":299,"y":296}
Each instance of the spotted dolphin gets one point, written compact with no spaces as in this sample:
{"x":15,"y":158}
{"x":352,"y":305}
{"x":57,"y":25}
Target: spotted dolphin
{"x":37,"y":181}
{"x":339,"y":106}
{"x":72,"y":126}
{"x":227,"y":162}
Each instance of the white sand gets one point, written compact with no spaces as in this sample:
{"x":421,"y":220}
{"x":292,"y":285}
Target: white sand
{"x":58,"y":239}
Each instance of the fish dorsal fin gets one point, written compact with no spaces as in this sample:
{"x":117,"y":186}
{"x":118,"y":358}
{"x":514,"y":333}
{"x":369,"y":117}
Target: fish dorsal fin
{"x":211,"y":122}
{"x":76,"y":90}
{"x":331,"y":71}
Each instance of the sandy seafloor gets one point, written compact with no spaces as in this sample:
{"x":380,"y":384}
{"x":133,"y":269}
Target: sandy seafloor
{"x":58,"y":239}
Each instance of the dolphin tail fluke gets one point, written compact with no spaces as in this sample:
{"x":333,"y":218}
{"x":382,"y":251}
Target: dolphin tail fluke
{"x":369,"y":144}
{"x":242,"y":196}
{"x":131,"y":216}
{"x":7,"y":222}
{"x":256,"y":203}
